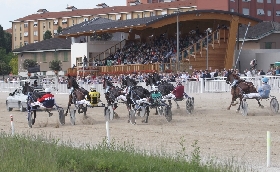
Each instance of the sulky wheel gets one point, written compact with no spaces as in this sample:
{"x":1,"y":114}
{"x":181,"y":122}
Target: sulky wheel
{"x":132,"y":117}
{"x":61,"y":116}
{"x":72,"y":116}
{"x":168,"y":113}
{"x":29,"y":119}
{"x":274,"y":105}
{"x":189,"y":105}
{"x":244,"y":108}
{"x":142,"y":112}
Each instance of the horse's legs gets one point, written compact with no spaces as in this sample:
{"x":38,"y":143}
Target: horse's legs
{"x":156,"y":111}
{"x":69,"y":104}
{"x":169,"y":102}
{"x":177,"y":104}
{"x":260,"y":105}
{"x":238,"y":109}
{"x":147,"y":116}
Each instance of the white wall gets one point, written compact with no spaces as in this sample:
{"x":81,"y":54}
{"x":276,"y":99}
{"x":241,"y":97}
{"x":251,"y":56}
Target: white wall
{"x":264,"y":58}
{"x":78,"y":50}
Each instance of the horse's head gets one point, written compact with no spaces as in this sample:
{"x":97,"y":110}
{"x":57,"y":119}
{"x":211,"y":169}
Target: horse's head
{"x":229,"y":76}
{"x":71,"y":82}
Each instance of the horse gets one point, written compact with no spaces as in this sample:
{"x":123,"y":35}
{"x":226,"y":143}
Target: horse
{"x":242,"y":87}
{"x":77,"y":94}
{"x":136,"y":93}
{"x":32,"y":97}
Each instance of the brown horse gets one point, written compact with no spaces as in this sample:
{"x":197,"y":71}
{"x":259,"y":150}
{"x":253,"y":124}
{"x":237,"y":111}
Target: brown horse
{"x":242,"y":87}
{"x":77,"y":94}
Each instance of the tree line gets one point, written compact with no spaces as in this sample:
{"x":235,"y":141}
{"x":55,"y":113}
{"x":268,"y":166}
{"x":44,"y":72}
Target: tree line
{"x":8,"y":61}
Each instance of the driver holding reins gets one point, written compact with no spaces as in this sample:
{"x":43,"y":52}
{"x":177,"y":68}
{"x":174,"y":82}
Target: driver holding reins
{"x":48,"y":99}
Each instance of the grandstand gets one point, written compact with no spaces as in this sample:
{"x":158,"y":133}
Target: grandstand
{"x":152,"y":44}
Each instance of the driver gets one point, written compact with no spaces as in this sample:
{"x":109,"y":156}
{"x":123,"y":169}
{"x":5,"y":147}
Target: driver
{"x":263,"y":91}
{"x":48,"y":99}
{"x":94,"y":94}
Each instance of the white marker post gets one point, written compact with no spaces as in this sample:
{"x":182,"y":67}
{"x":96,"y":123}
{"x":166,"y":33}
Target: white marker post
{"x":12,"y":125}
{"x":268,"y":139}
{"x":108,"y":133}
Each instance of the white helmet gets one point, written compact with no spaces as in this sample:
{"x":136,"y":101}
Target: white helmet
{"x":154,"y":88}
{"x":92,"y":88}
{"x":48,"y":90}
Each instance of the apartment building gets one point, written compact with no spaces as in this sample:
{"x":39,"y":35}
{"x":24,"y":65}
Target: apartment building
{"x":266,"y":10}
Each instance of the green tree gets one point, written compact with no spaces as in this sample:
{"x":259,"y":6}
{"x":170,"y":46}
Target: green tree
{"x":4,"y":57}
{"x":4,"y":68}
{"x":29,"y":63}
{"x":59,"y":29}
{"x":8,"y":42}
{"x":47,"y":35}
{"x":2,"y":38}
{"x":14,"y":65}
{"x":55,"y":65}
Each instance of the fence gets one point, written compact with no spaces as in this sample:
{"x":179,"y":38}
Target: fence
{"x":202,"y":86}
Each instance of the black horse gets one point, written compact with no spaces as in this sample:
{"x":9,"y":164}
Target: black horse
{"x":135,"y":93}
{"x":77,"y":94}
{"x":111,"y":94}
{"x":32,"y":97}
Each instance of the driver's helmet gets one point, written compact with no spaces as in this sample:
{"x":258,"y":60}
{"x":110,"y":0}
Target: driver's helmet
{"x":154,"y":88}
{"x":179,"y":83}
{"x":92,"y":89}
{"x":265,"y":80}
{"x":48,"y":90}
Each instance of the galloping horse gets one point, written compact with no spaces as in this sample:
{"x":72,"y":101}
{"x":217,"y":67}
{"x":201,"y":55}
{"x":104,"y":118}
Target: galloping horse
{"x":77,"y":94}
{"x":32,"y":97}
{"x":136,"y":93}
{"x":111,"y":93}
{"x":242,"y":87}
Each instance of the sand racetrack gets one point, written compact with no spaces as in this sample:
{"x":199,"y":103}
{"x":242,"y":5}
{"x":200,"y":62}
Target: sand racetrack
{"x":220,"y":132}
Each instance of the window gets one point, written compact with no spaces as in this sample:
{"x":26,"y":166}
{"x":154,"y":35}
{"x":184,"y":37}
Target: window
{"x":73,"y":21}
{"x":20,"y":27}
{"x":20,"y":36}
{"x":128,"y":16}
{"x":260,"y":12}
{"x":268,"y":1}
{"x":152,"y":14}
{"x":49,"y":25}
{"x":277,"y":1}
{"x":260,"y":1}
{"x":246,"y":0}
{"x":86,"y":19}
{"x":232,"y":10}
{"x":25,"y":43}
{"x":35,"y":56}
{"x":35,"y":24}
{"x":245,"y":11}
{"x":35,"y":41}
{"x":20,"y":45}
{"x":35,"y":33}
{"x":269,"y":45}
{"x":65,"y":59}
{"x":44,"y":59}
{"x":44,"y":25}
{"x":15,"y":38}
{"x":55,"y":31}
{"x":25,"y":25}
{"x":25,"y":33}
{"x":268,"y":13}
{"x":232,"y":0}
{"x":55,"y":22}
{"x":64,"y":21}
{"x":15,"y":27}
{"x":138,"y":16}
{"x":277,"y":13}
{"x":144,"y":15}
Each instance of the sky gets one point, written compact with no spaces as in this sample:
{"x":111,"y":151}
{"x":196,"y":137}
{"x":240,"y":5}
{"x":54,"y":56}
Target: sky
{"x":14,"y":9}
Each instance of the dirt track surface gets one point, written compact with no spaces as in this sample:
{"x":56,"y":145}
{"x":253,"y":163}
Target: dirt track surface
{"x":220,"y":132}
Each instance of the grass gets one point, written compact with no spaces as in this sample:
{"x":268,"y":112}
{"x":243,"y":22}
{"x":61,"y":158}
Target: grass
{"x":37,"y":153}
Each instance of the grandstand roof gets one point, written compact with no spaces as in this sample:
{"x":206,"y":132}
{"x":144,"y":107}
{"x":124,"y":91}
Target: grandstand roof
{"x":105,"y":25}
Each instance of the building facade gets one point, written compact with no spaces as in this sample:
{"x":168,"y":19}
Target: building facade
{"x":30,"y":29}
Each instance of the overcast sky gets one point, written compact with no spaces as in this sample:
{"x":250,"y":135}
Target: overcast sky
{"x":14,"y":9}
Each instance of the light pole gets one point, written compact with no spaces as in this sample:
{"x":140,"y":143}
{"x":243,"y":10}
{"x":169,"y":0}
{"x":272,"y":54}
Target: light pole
{"x":208,"y":30}
{"x":178,"y":40}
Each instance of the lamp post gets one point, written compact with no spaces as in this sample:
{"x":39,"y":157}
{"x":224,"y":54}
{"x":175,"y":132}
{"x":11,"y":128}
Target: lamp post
{"x":208,"y":30}
{"x":178,"y":39}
